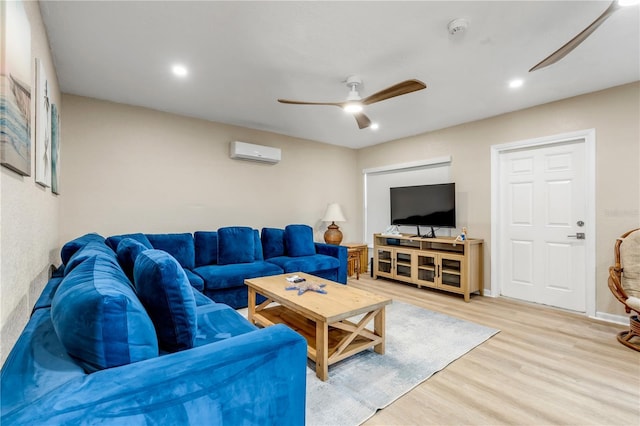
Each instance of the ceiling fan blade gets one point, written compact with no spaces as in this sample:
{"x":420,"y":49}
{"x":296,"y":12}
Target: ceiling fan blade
{"x":287,"y":101}
{"x":575,"y":42}
{"x":363,"y":120}
{"x":403,"y":88}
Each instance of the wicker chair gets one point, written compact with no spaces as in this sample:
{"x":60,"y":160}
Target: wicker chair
{"x":624,"y":282}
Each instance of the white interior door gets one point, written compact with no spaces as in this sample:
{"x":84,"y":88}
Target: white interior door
{"x":542,"y":229}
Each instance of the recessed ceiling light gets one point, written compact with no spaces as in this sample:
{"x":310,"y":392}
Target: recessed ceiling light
{"x":374,"y":126}
{"x":514,"y":84}
{"x":179,"y":70}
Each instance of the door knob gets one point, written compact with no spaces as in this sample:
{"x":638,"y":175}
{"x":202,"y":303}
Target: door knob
{"x":579,"y":236}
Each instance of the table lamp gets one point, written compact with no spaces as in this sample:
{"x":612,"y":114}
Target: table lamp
{"x":333,"y":235}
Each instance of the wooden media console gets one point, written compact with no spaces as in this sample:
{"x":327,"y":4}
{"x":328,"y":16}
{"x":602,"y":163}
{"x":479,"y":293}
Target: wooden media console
{"x":441,"y":263}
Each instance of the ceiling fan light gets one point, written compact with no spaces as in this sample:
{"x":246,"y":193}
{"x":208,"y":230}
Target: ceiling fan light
{"x":515,"y":83}
{"x":179,"y":70}
{"x":353,"y":107}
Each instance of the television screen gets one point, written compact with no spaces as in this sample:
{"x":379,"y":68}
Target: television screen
{"x":424,"y":205}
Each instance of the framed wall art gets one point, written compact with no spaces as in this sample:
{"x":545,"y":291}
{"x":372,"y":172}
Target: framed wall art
{"x":43,"y":126}
{"x":55,"y":149}
{"x":15,"y":88}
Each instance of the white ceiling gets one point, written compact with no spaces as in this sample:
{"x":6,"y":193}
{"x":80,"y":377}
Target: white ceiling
{"x":242,"y":56}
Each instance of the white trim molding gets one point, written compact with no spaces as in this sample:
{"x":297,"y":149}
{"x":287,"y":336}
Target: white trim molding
{"x":411,"y":165}
{"x":617,"y":319}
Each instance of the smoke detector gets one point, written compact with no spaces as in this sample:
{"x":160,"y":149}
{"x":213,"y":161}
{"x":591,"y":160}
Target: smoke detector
{"x":457,"y":26}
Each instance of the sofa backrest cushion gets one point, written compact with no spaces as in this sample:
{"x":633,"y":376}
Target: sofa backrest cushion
{"x":298,"y":240}
{"x":71,"y":247}
{"x":180,"y":246}
{"x":114,"y":240}
{"x":94,"y":248}
{"x":128,"y":251}
{"x":272,"y":242}
{"x":206,"y":246}
{"x":257,"y":246}
{"x":164,"y":290}
{"x":235,"y":245}
{"x":98,"y":318}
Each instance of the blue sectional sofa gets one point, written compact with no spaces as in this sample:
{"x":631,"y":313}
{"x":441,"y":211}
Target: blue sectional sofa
{"x":218,"y":262}
{"x":122,"y":334}
{"x":100,"y":348}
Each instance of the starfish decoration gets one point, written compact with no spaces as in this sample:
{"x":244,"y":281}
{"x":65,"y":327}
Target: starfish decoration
{"x":304,"y":286}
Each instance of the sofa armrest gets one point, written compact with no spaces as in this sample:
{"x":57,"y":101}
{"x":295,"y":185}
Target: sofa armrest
{"x":340,"y":253}
{"x":254,"y":378}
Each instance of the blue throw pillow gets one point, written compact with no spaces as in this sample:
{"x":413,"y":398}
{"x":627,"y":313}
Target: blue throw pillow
{"x":272,"y":242}
{"x":180,"y":246}
{"x":298,"y":240}
{"x":70,"y":248}
{"x":128,"y":251}
{"x":98,"y":318}
{"x":163,"y":288}
{"x":206,"y":243}
{"x":236,"y":244}
{"x":114,"y":240}
{"x":90,"y":250}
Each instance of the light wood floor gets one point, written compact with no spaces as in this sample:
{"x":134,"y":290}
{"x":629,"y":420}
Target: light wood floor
{"x":545,"y":367}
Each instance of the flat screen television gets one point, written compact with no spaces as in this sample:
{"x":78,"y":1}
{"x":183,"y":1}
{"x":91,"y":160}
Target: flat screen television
{"x":424,"y":205}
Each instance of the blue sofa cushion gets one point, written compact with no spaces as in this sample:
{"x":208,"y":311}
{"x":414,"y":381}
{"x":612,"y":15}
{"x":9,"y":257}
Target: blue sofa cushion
{"x":235,"y":245}
{"x":98,"y":318}
{"x":195,"y":280}
{"x":272,"y":242}
{"x":49,"y":290}
{"x":206,"y":246}
{"x":114,"y":240}
{"x":163,"y":288}
{"x":128,"y":251}
{"x":90,"y":250}
{"x":227,"y":276}
{"x":200,"y":299}
{"x":310,"y":264}
{"x":70,"y":248}
{"x":298,"y":240}
{"x":180,"y":246}
{"x":217,"y":321}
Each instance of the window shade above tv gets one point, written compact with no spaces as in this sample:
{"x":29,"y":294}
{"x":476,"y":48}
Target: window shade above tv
{"x":424,"y":205}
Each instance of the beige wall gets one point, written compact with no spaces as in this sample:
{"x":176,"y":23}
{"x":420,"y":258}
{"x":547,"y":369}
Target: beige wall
{"x":28,"y":216}
{"x":615,"y":115}
{"x":131,"y":169}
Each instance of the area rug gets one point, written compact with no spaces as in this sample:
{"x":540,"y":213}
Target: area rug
{"x":419,"y":343}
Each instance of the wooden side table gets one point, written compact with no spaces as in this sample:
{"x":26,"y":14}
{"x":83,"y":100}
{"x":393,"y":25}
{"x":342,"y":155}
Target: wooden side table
{"x":356,"y":259}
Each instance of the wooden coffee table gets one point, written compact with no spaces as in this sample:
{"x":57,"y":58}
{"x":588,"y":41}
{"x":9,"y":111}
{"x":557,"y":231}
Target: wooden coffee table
{"x":323,"y":319}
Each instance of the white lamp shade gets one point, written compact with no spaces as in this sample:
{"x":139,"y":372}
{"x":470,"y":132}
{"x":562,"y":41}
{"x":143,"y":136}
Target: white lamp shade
{"x":333,"y":214}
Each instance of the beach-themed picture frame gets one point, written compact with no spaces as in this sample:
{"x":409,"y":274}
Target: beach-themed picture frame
{"x":15,"y":88}
{"x":43,"y":126}
{"x":55,"y":149}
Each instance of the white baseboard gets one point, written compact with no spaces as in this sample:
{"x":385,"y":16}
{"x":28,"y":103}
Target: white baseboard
{"x":604,"y":316}
{"x":618,"y":319}
{"x":488,"y":293}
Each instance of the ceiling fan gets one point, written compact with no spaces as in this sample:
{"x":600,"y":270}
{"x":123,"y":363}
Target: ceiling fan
{"x":582,"y":36}
{"x":354,"y":102}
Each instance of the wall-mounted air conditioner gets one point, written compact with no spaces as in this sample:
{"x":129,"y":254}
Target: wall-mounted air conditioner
{"x":248,"y":151}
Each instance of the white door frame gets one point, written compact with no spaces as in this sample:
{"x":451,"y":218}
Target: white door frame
{"x":588,"y":136}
